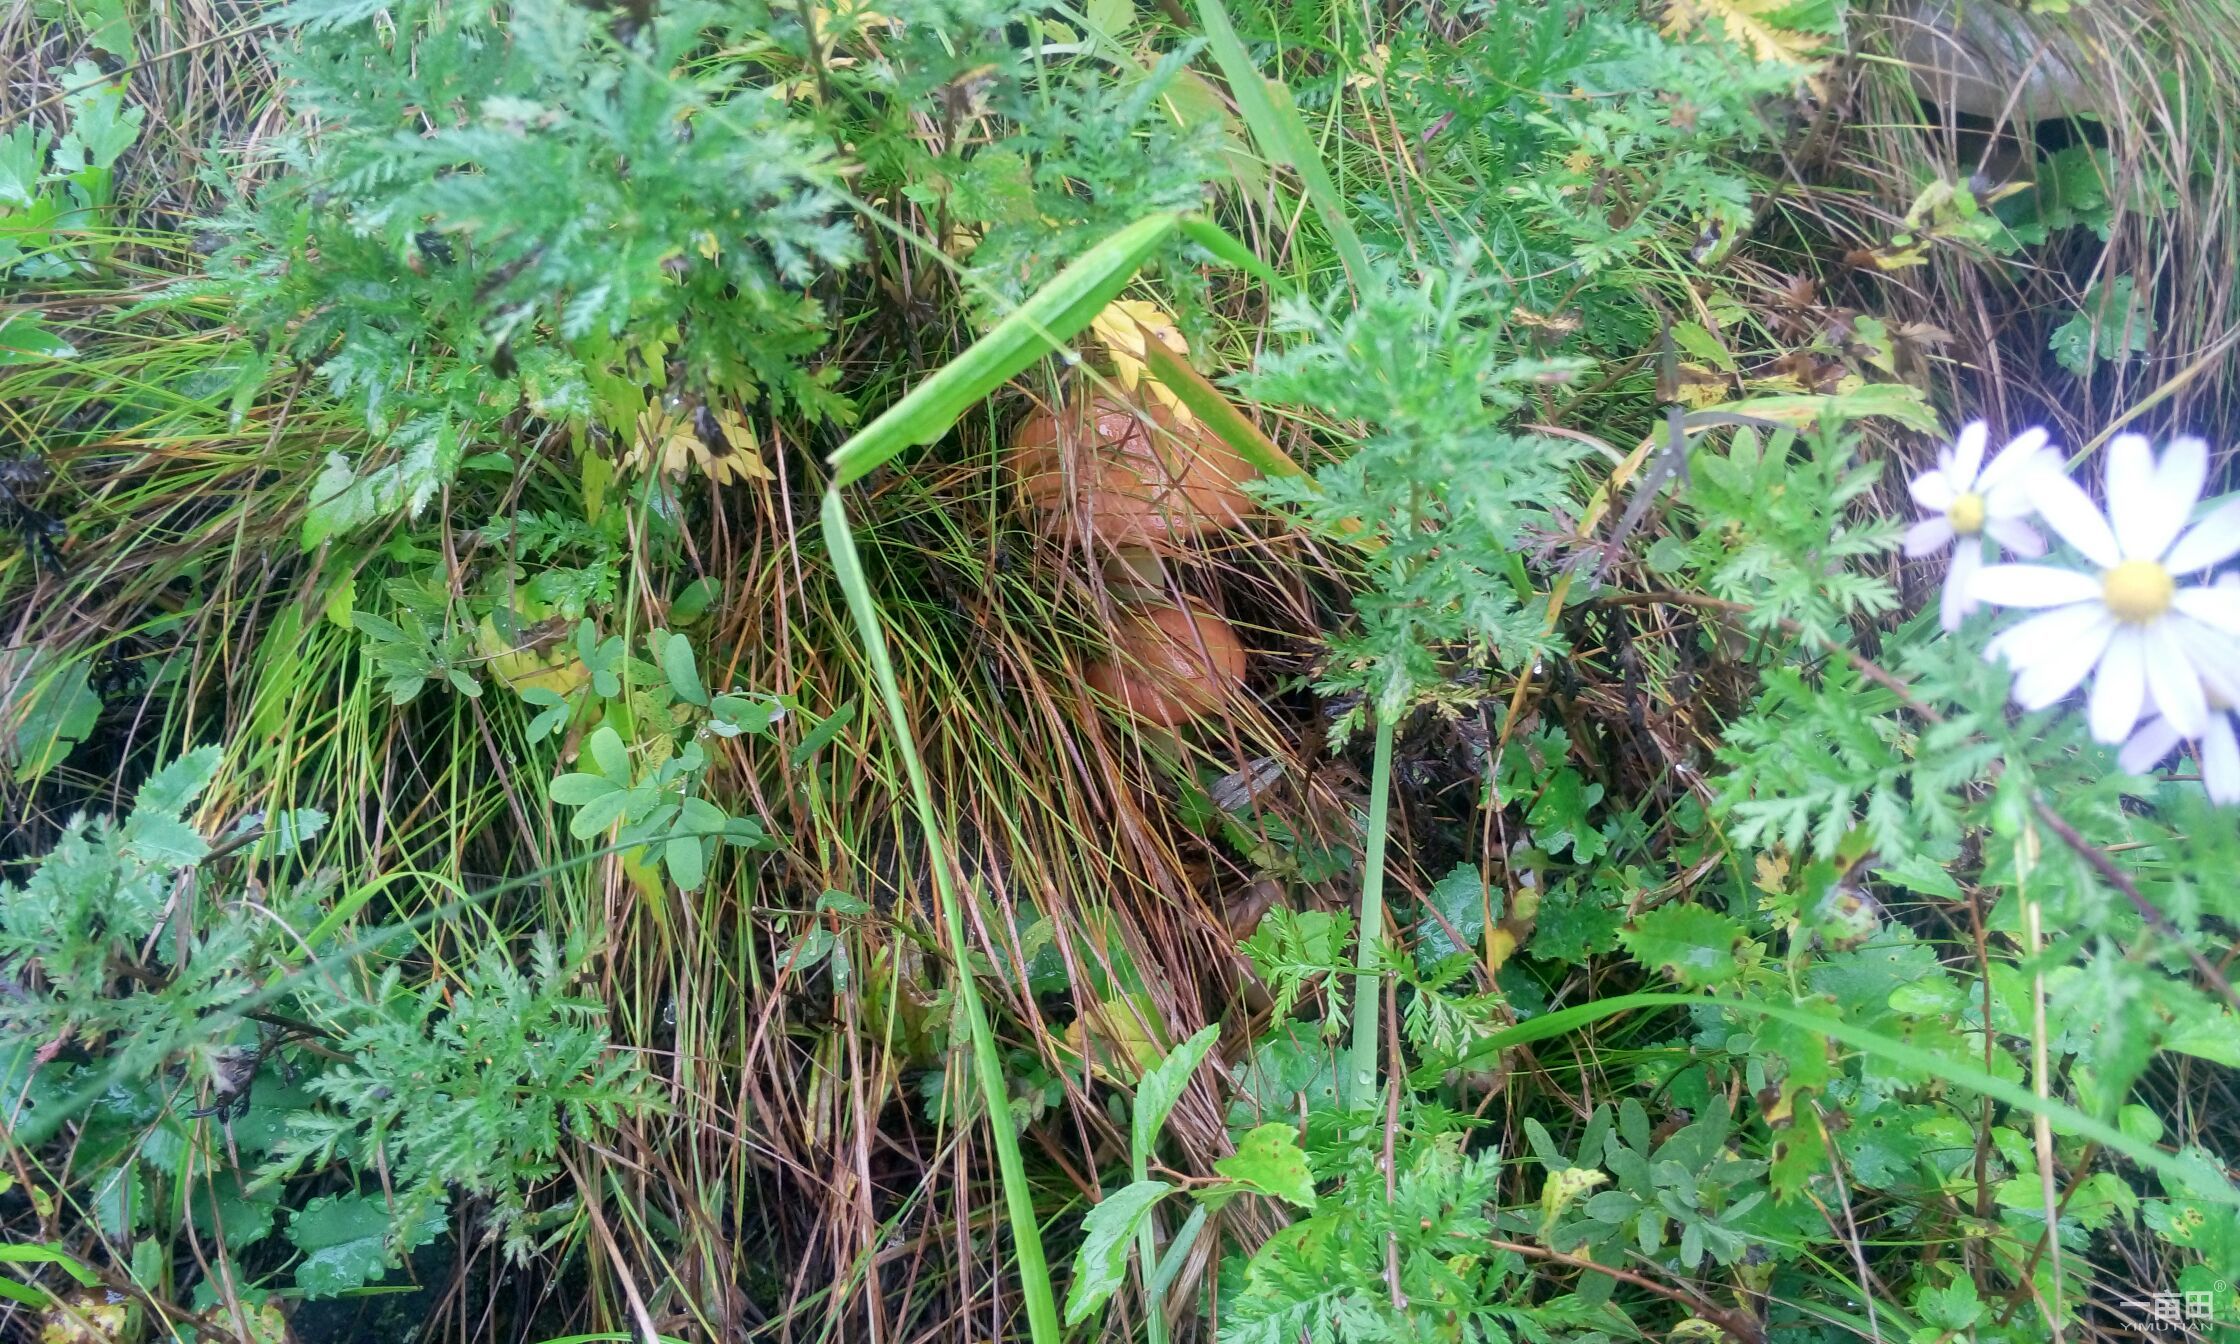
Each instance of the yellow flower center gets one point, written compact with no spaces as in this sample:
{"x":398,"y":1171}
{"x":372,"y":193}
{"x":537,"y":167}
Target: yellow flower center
{"x":1966,"y":514}
{"x":2137,"y":590}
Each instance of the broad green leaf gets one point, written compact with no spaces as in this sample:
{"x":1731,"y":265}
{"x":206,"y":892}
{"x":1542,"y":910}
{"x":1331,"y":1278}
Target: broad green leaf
{"x":348,"y":1241}
{"x":165,"y":842}
{"x":575,"y":790}
{"x":1162,"y":1085}
{"x":1051,"y":316}
{"x":23,"y":159}
{"x":735,"y":714}
{"x":1694,"y":945}
{"x":1102,"y":1265}
{"x":173,"y":788}
{"x":1887,"y":401}
{"x":100,"y":124}
{"x":1459,"y":899}
{"x":600,"y":813}
{"x":701,"y":817}
{"x":24,"y":339}
{"x":242,"y":1216}
{"x":47,"y":707}
{"x":608,"y":753}
{"x":1268,"y":1160}
{"x":119,"y":1200}
{"x":1951,"y":1308}
{"x":687,"y":861}
{"x":684,"y":675}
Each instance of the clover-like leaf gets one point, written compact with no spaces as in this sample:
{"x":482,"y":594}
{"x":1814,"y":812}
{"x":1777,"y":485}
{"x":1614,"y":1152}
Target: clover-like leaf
{"x":578,"y":789}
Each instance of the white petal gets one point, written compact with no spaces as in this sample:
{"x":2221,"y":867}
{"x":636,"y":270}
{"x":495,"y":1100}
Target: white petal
{"x":2069,"y":511}
{"x":2148,"y":747}
{"x":1933,"y":490}
{"x":1955,"y":605}
{"x":2044,"y":636}
{"x":1930,"y":534}
{"x":2184,"y":469}
{"x":2061,"y":656}
{"x":2145,"y":519}
{"x":2218,"y":606}
{"x":2220,"y":761}
{"x":2213,"y":655}
{"x":2214,"y":538}
{"x":1967,"y":454}
{"x":2171,"y":680}
{"x":2024,"y":453}
{"x":2033,"y":586}
{"x":2119,"y":687}
{"x":2016,"y":537}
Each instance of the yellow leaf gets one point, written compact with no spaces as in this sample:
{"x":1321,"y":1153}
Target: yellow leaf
{"x":1120,"y":328}
{"x":1700,"y":387}
{"x":1744,"y":22}
{"x":1563,"y":1189}
{"x":670,"y":441}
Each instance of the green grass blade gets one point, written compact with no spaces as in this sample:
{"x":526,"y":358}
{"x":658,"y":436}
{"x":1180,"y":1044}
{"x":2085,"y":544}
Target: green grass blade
{"x":1039,"y":327}
{"x":2175,"y":1173}
{"x":1034,"y":1267}
{"x":1227,"y":250}
{"x":1282,"y":137}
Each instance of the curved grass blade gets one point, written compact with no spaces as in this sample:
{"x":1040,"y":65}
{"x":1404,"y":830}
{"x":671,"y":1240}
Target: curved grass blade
{"x":1282,"y":137}
{"x":2174,"y":1172}
{"x":1039,"y":327}
{"x":1026,"y":1235}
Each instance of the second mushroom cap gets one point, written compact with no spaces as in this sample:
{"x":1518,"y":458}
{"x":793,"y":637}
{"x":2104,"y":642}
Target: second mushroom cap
{"x":1132,"y":474}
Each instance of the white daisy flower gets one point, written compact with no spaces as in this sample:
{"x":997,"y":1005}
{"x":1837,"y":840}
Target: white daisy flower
{"x":1967,"y":501}
{"x":2219,"y":751}
{"x":2130,"y":619}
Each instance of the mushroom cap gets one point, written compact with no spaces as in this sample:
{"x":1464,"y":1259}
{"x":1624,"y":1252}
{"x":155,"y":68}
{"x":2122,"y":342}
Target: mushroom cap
{"x":1170,"y":664}
{"x":1131,"y":472}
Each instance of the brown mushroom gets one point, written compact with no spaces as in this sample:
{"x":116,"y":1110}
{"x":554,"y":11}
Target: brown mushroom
{"x":1133,"y":474}
{"x":1170,"y":664}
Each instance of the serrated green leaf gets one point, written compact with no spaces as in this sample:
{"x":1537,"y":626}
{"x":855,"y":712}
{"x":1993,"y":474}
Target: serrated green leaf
{"x":1101,"y":1266}
{"x":350,"y":1241}
{"x":1694,"y":945}
{"x":1459,"y":899}
{"x":1269,"y":1161}
{"x":1162,"y":1085}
